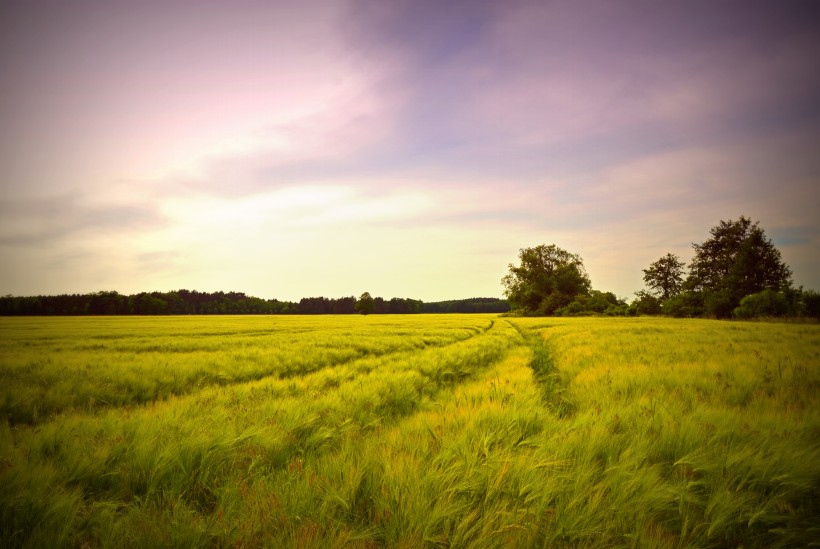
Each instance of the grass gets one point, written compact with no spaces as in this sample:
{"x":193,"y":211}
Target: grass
{"x":409,"y":431}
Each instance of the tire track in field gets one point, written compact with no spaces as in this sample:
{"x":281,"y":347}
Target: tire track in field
{"x":399,"y":385}
{"x":140,"y":446}
{"x":126,"y":391}
{"x":361,"y":354}
{"x":368,"y":363}
{"x":444,"y":453}
{"x":362,"y":405}
{"x":554,"y":388}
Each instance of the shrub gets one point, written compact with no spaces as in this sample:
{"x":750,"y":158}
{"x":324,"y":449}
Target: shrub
{"x":765,"y":303}
{"x":719,"y":304}
{"x":685,"y":304}
{"x":595,"y":303}
{"x":645,"y":304}
{"x":576,"y":308}
{"x":811,"y":303}
{"x":616,"y":310}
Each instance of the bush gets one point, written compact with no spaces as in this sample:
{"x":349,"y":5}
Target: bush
{"x":616,"y":310}
{"x":811,"y":303}
{"x":719,"y":304}
{"x":765,"y":303}
{"x":595,"y":303}
{"x":645,"y":304}
{"x":685,"y":304}
{"x":576,"y":308}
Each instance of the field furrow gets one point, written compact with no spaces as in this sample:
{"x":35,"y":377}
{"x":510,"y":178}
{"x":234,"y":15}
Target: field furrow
{"x":112,"y":367}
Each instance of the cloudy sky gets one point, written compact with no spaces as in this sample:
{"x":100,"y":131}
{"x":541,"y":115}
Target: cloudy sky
{"x":290,"y":149}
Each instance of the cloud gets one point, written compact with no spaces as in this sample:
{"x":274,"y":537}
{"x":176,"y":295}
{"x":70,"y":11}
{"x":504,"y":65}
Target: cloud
{"x":551,"y":89}
{"x":34,"y":222}
{"x":145,"y":92}
{"x":320,"y":146}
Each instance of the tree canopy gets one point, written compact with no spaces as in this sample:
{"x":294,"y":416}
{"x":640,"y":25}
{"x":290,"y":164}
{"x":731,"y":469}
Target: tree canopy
{"x":736,"y":272}
{"x":665,"y":276}
{"x":365,"y":304}
{"x":547,"y":279}
{"x":738,"y":260}
{"x":185,"y":302}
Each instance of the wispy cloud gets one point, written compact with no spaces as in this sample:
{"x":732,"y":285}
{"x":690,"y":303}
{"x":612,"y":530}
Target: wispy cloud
{"x":33,"y":222}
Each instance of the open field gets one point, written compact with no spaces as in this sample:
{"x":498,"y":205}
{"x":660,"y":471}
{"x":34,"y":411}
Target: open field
{"x":408,"y":431}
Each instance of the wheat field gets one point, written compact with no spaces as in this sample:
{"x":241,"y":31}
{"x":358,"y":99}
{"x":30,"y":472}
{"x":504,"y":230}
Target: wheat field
{"x":408,"y":431}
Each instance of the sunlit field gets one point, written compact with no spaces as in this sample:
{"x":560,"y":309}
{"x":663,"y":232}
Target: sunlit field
{"x":408,"y":431}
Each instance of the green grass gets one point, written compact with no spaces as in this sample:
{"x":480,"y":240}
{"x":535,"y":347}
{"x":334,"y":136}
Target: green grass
{"x":408,"y":431}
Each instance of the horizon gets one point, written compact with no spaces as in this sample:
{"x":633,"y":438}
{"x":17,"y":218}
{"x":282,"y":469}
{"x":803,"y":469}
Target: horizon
{"x":408,"y":149}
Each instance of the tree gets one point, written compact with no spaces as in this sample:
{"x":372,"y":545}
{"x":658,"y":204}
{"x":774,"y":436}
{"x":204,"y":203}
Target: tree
{"x":738,"y":260}
{"x":665,"y":276}
{"x":344,"y":306}
{"x":547,"y":279}
{"x":365,"y":304}
{"x":645,"y":304}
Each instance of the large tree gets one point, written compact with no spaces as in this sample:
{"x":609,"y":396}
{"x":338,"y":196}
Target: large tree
{"x":665,"y":276}
{"x":738,"y":260}
{"x":365,"y":304}
{"x":547,"y":279}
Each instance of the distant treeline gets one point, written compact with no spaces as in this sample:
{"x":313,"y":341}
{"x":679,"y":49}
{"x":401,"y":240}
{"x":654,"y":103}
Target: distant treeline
{"x":191,"y":302}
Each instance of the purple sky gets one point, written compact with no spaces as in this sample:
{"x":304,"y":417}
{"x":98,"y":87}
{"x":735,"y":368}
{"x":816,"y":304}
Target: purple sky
{"x":403,"y":148}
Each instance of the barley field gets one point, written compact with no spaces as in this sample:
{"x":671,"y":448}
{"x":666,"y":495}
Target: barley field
{"x":408,"y":431}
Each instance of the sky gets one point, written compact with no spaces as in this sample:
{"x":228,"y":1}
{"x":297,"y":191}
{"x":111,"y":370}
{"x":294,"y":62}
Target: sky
{"x":404,"y":148}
